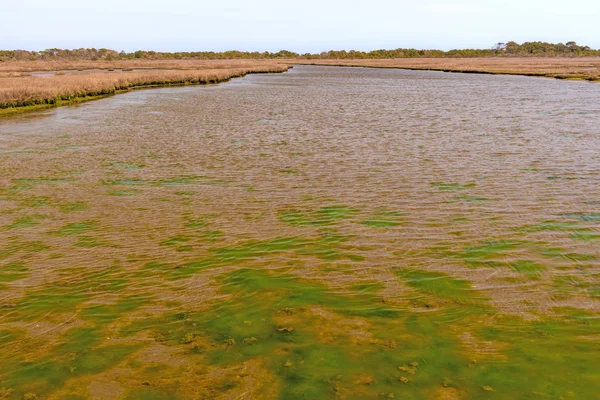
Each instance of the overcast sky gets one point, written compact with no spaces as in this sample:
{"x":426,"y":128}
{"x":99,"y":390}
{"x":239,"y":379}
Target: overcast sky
{"x":301,"y":25}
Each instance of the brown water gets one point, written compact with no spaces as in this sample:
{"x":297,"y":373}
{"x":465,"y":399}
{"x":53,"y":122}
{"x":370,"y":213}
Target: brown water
{"x":323,"y":233}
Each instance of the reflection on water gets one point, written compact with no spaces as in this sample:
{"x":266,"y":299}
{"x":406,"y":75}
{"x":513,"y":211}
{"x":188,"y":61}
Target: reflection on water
{"x":323,"y":233}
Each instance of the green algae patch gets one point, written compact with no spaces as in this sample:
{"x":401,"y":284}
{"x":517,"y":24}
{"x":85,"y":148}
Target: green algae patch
{"x":297,"y":330}
{"x":384,"y":219}
{"x":460,"y":220}
{"x":582,"y":317}
{"x":86,"y":241}
{"x":321,"y":217}
{"x":555,"y":226}
{"x":103,"y":314}
{"x":25,"y":222}
{"x":73,"y":206}
{"x":539,"y":364}
{"x":130,"y":192}
{"x":125,"y":182}
{"x":31,"y":182}
{"x":17,"y":246}
{"x":127,"y":166}
{"x":72,"y":288}
{"x":494,"y":253}
{"x":584,"y":217}
{"x":334,"y":213}
{"x":187,"y":193}
{"x":471,"y":199}
{"x":451,"y":186}
{"x":271,"y":318}
{"x":567,"y":286}
{"x":328,"y":247}
{"x":23,"y":184}
{"x":176,"y":240}
{"x":212,"y":236}
{"x":578,"y":258}
{"x":295,"y":218}
{"x":518,"y":255}
{"x":181,"y":180}
{"x":13,"y":272}
{"x":78,"y":228}
{"x":40,"y":303}
{"x":585,"y":236}
{"x":527,"y":267}
{"x":78,"y":355}
{"x":490,"y":251}
{"x":45,"y":201}
{"x":171,"y":181}
{"x":367,"y":288}
{"x":9,"y":335}
{"x":440,"y":286}
{"x":215,"y":182}
{"x":36,"y":201}
{"x":196,"y":223}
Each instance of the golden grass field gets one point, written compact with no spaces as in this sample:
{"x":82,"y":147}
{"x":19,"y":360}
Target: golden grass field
{"x":19,"y":89}
{"x":77,"y":80}
{"x":565,"y":68}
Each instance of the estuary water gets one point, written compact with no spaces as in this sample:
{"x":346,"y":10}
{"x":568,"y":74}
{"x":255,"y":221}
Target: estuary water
{"x":325,"y":233}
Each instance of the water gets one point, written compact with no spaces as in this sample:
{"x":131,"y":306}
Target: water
{"x":323,"y":233}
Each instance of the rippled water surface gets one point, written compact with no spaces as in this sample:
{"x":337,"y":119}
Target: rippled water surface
{"x":327,"y":233}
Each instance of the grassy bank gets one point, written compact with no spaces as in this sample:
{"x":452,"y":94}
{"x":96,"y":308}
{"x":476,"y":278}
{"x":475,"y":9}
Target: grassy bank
{"x":70,"y":82}
{"x":560,"y":68}
{"x":25,"y":93}
{"x":24,"y":67}
{"x":59,"y":102}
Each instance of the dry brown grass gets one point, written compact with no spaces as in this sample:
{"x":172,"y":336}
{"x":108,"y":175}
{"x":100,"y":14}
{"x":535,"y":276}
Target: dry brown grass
{"x":565,"y":68}
{"x":58,"y":65}
{"x":19,"y":90}
{"x":85,"y":78}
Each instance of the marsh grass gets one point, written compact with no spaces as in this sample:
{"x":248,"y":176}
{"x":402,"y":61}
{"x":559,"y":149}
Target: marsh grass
{"x":34,"y":91}
{"x":554,"y":67}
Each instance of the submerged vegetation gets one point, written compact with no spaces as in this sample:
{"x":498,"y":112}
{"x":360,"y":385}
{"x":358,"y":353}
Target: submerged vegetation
{"x":166,"y":255}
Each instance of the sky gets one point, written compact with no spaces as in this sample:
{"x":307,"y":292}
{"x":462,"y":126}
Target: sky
{"x":301,"y":25}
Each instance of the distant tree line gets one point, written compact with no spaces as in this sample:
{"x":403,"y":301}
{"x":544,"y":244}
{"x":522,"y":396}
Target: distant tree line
{"x":508,"y":49}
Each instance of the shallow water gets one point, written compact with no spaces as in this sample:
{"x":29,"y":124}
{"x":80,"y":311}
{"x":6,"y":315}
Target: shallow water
{"x":322,"y":233}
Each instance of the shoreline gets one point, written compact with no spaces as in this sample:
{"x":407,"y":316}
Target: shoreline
{"x":48,"y":103}
{"x":44,"y":104}
{"x":462,"y":71}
